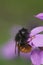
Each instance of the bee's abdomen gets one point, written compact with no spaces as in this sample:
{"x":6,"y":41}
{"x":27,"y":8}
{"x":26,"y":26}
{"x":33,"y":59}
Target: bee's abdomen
{"x":26,"y":48}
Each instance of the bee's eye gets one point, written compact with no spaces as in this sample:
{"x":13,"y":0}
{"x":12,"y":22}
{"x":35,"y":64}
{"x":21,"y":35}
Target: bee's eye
{"x":23,"y":32}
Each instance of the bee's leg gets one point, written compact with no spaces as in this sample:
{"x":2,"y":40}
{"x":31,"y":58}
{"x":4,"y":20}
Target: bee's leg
{"x":18,"y":49}
{"x":15,"y":47}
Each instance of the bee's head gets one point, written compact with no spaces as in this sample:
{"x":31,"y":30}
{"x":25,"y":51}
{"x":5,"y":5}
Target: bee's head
{"x":23,"y":31}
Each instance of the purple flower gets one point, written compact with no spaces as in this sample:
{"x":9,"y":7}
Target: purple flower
{"x":39,"y":16}
{"x":36,"y":55}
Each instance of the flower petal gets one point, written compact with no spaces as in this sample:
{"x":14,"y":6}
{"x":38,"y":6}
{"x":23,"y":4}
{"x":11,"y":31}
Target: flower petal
{"x":38,"y":40}
{"x":36,"y":30}
{"x":39,"y":16}
{"x":41,"y":54}
{"x":35,"y":57}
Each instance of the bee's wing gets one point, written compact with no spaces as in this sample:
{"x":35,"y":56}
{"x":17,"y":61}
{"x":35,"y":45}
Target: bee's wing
{"x":38,"y":40}
{"x":36,"y":30}
{"x":14,"y":30}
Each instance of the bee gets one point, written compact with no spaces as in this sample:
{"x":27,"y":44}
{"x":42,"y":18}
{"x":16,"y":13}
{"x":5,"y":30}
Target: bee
{"x":21,"y":41}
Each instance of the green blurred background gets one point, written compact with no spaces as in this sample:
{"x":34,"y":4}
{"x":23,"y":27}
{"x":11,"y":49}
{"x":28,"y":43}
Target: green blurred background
{"x":18,"y":12}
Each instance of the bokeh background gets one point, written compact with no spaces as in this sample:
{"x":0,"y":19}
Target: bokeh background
{"x":19,"y":12}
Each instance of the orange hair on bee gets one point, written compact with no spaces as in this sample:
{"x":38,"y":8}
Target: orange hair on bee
{"x":26,"y":49}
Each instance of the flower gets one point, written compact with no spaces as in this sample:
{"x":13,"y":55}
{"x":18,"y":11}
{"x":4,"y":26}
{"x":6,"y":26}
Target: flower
{"x":39,"y":16}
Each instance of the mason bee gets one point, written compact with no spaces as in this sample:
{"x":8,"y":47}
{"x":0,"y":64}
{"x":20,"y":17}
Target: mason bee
{"x":21,"y":41}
